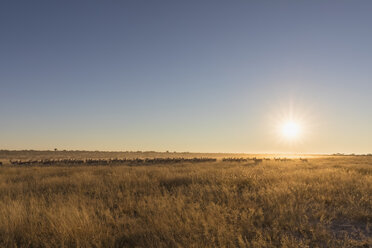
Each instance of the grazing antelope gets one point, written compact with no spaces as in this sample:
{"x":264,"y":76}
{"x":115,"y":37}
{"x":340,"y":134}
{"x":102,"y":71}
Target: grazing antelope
{"x":257,"y":161}
{"x":16,"y":162}
{"x":234,"y":159}
{"x":1,"y":163}
{"x":304,"y":160}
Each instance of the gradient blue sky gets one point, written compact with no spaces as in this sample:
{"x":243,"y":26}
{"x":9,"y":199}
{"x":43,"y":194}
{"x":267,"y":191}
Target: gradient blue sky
{"x":209,"y":76}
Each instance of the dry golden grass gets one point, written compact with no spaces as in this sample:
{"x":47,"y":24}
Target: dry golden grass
{"x":324,"y":203}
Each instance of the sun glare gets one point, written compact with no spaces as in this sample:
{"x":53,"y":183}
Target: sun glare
{"x":290,"y":125}
{"x":290,"y":130}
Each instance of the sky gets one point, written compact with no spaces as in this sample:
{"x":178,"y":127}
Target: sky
{"x":198,"y":76}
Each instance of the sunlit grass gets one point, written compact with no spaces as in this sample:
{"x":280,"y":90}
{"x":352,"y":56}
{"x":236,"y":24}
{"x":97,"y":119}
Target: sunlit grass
{"x":322,"y":203}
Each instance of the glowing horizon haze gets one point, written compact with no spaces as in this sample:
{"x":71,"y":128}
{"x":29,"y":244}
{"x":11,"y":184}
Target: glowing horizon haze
{"x":198,"y":76}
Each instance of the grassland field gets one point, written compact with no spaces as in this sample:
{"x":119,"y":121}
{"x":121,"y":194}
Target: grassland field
{"x":325,"y":202}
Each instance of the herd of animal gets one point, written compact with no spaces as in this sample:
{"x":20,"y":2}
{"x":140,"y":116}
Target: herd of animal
{"x":255,"y":160}
{"x":258,"y":161}
{"x":115,"y":161}
{"x":136,"y":161}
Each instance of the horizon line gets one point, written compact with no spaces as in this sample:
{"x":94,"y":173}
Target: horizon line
{"x":192,"y":152}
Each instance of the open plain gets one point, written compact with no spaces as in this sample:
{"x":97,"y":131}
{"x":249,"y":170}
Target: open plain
{"x":324,"y":201}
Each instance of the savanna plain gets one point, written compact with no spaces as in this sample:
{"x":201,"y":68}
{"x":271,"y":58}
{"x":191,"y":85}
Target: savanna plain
{"x":324,"y":201}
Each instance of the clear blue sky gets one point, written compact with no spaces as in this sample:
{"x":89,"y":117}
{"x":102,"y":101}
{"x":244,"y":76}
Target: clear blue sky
{"x":209,"y":76}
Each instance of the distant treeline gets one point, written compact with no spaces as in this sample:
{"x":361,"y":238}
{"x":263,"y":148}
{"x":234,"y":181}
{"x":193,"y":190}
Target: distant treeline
{"x":351,"y":154}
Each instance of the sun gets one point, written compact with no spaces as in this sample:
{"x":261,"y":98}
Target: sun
{"x":290,"y":130}
{"x":290,"y":126}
